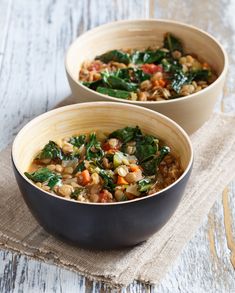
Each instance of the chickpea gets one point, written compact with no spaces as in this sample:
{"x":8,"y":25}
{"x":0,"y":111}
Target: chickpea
{"x":189,"y":59}
{"x":95,"y":178}
{"x":113,"y":142}
{"x":142,"y":96}
{"x":74,"y":184}
{"x":106,"y":163}
{"x":122,"y":170}
{"x":131,"y":177}
{"x":45,"y":187}
{"x":119,"y":194}
{"x":145,"y":85}
{"x":183,"y":60}
{"x":67,"y":176}
{"x":176,"y":54}
{"x":51,"y":167}
{"x":68,"y":170}
{"x":39,"y":184}
{"x":58,"y":168}
{"x":94,"y":197}
{"x":65,"y":190}
{"x":130,"y":149}
{"x":134,"y":96}
{"x":67,"y":147}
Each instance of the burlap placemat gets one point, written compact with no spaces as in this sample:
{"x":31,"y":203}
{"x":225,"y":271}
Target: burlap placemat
{"x":214,"y":167}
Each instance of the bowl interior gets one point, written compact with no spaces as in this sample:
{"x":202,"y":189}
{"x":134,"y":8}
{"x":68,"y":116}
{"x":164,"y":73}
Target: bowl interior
{"x":82,"y":118}
{"x":141,"y":34}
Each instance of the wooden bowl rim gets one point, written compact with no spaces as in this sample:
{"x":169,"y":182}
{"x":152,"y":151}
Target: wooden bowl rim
{"x":96,"y":104}
{"x":154,"y":21}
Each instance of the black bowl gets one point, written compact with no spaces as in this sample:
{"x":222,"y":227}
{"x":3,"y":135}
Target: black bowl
{"x":100,"y":225}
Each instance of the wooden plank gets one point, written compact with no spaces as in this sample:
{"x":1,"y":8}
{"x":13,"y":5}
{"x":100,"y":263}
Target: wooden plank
{"x":5,"y":13}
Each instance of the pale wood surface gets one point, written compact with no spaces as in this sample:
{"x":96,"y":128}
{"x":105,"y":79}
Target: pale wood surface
{"x":33,"y":38}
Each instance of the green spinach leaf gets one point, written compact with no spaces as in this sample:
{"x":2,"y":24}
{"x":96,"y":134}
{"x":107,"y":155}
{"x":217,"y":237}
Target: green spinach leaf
{"x":94,"y":84}
{"x":108,"y":180}
{"x":78,"y":141}
{"x":179,"y":78}
{"x":172,"y":43}
{"x":77,"y":191}
{"x":120,"y":84}
{"x":80,"y":167}
{"x":44,"y":175}
{"x":50,"y":151}
{"x":147,"y":56}
{"x":93,"y":148}
{"x":202,"y":74}
{"x":153,"y":56}
{"x":150,"y":166}
{"x":114,"y":55}
{"x":113,"y":93}
{"x":126,"y":134}
{"x":144,"y":185}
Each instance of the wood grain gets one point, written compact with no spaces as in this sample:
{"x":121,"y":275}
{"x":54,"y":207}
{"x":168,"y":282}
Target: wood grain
{"x":33,"y":38}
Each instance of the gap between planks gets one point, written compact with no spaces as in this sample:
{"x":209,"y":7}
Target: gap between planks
{"x":226,"y":207}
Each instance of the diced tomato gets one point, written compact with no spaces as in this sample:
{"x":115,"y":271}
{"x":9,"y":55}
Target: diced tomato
{"x":94,"y":66}
{"x":84,"y":177}
{"x":108,"y":148}
{"x":121,"y":181}
{"x":105,"y":196}
{"x":151,"y":68}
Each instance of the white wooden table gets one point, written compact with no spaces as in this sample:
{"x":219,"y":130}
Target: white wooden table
{"x":33,"y":38}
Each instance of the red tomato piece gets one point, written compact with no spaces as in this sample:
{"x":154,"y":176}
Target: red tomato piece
{"x":94,"y":66}
{"x":151,"y":68}
{"x":103,"y":196}
{"x":107,"y":147}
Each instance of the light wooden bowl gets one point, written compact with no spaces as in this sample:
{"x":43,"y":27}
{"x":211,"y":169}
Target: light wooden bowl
{"x":119,"y":224}
{"x":191,"y":111}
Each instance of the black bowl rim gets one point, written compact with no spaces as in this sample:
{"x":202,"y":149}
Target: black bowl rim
{"x":154,"y":21}
{"x":84,"y":105}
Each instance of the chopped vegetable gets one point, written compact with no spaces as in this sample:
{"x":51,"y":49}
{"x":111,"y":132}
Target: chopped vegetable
{"x":80,"y":167}
{"x":93,"y":148}
{"x":108,"y":180}
{"x":86,"y":178}
{"x":120,"y":84}
{"x":126,"y":134}
{"x":121,"y":181}
{"x":77,"y":191}
{"x":113,"y":93}
{"x":145,"y":184}
{"x":172,"y":43}
{"x":114,"y":55}
{"x":134,"y":168}
{"x":146,"y":146}
{"x":50,"y":151}
{"x":44,"y":175}
{"x":150,"y":166}
{"x":78,"y":141}
{"x":151,"y":68}
{"x":147,"y":56}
